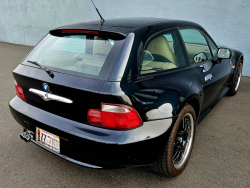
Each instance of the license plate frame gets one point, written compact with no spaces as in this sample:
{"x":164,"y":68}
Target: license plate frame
{"x":48,"y":139}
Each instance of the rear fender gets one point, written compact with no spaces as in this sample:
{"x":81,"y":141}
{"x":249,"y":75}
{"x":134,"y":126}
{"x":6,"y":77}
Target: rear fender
{"x":170,"y":103}
{"x":195,"y":101}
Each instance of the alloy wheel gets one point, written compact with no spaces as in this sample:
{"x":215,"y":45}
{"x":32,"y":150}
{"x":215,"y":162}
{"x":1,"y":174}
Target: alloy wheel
{"x":238,"y":77}
{"x":183,"y":141}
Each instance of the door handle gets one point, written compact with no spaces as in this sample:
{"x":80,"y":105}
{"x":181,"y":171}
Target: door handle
{"x":203,"y":68}
{"x":208,"y":77}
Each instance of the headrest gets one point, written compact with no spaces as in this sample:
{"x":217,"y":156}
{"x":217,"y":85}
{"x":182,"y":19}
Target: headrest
{"x":160,"y":46}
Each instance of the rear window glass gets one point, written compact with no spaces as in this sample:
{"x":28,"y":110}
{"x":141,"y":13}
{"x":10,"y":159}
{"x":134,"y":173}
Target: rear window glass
{"x":77,"y":54}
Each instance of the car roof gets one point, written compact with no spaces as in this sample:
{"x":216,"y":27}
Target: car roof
{"x":126,"y":25}
{"x":125,"y":22}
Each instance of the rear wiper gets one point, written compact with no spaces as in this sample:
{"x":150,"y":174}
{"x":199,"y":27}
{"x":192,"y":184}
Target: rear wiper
{"x":49,"y":72}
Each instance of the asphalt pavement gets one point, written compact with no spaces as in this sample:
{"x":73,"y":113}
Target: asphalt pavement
{"x":220,"y":158}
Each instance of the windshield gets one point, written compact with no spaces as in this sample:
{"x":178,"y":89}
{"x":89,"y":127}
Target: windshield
{"x":84,"y":55}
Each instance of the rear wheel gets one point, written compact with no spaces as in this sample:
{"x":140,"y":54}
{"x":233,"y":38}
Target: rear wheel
{"x":234,"y":86}
{"x":180,"y":144}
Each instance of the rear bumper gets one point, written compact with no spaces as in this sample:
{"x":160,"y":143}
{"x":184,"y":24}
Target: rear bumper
{"x":93,"y":146}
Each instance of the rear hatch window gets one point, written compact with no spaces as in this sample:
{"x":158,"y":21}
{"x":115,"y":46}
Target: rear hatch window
{"x":78,"y":52}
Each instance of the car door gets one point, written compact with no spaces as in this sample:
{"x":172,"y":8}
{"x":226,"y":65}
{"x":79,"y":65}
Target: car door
{"x":214,"y":72}
{"x":221,"y":67}
{"x":164,"y":68}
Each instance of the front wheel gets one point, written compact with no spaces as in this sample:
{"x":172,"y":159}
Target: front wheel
{"x":234,"y":86}
{"x":180,"y":144}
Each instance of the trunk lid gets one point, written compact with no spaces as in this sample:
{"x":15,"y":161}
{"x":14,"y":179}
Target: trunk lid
{"x":82,"y":91}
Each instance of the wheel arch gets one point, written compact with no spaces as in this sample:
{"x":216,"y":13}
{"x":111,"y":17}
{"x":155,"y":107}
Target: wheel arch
{"x":237,"y":56}
{"x":242,"y":57}
{"x":194,"y":101}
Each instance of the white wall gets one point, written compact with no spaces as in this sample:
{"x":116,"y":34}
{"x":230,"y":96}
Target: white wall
{"x":227,"y":21}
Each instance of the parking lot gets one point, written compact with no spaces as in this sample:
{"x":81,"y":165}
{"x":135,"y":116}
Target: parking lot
{"x":220,"y":158}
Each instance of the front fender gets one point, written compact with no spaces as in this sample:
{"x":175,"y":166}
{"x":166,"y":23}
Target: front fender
{"x":236,"y":56}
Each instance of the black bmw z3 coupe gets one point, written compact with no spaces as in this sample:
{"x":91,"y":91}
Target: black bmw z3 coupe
{"x":129,"y":92}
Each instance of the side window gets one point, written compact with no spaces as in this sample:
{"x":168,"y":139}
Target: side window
{"x":213,"y":47}
{"x":196,"y":45}
{"x":163,"y":52}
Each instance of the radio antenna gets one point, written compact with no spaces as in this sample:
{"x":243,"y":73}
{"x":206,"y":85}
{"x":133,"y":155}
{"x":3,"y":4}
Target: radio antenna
{"x":102,"y":20}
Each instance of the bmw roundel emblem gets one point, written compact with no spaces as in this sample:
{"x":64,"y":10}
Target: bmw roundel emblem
{"x":46,"y":87}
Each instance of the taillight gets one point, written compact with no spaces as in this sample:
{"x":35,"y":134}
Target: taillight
{"x":19,"y":91}
{"x":115,"y":116}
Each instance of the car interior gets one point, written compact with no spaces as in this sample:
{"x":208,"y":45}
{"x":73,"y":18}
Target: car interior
{"x":166,"y":55}
{"x":89,"y":59}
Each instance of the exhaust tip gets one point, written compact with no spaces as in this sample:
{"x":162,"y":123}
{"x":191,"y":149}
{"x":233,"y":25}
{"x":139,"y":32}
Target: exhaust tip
{"x":26,"y":136}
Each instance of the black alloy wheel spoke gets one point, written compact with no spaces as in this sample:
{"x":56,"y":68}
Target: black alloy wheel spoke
{"x":182,"y":139}
{"x":179,"y":134}
{"x":237,"y":77}
{"x":177,"y":156}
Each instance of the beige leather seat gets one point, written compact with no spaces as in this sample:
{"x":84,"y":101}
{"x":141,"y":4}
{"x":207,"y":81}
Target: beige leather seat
{"x":161,"y":47}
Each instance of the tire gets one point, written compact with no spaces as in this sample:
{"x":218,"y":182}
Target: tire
{"x":167,"y":164}
{"x":234,"y":86}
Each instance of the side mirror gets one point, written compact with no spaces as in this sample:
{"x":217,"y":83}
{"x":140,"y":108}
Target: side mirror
{"x":200,"y":57}
{"x":224,"y":53}
{"x":148,"y":57}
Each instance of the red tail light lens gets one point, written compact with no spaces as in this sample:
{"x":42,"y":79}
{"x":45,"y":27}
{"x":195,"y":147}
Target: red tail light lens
{"x":115,"y":116}
{"x":19,"y":91}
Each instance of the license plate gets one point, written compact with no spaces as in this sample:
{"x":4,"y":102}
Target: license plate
{"x":48,"y":140}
